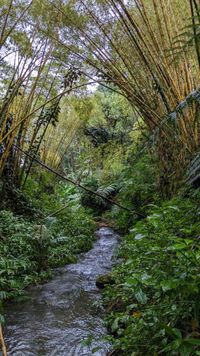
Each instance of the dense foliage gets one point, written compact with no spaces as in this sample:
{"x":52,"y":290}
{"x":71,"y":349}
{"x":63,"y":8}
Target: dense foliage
{"x":105,"y":94}
{"x":153,"y":301}
{"x":30,"y":246}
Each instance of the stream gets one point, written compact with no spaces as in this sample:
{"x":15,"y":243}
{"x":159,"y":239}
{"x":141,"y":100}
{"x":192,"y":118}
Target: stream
{"x":60,"y":314}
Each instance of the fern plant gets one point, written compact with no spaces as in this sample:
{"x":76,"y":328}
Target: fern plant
{"x":96,"y":202}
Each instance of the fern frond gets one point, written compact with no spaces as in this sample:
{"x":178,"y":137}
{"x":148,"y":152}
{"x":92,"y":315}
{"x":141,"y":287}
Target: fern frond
{"x":60,"y":239}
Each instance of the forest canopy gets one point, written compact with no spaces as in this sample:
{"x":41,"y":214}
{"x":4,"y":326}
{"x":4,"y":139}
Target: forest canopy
{"x":148,"y":52}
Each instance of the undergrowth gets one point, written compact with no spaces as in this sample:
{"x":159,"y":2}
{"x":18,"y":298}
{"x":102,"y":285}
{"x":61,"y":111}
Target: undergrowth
{"x":154,"y":304}
{"x":32,"y":245}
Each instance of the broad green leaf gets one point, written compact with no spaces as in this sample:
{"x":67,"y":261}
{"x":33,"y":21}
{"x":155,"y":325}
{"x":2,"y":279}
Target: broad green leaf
{"x":141,"y":296}
{"x":139,"y":236}
{"x":168,"y":285}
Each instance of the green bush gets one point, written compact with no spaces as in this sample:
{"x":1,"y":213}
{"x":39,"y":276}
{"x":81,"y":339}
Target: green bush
{"x":155,"y":300}
{"x":42,"y":190}
{"x":28,"y":251}
{"x":137,"y":192}
{"x":72,"y":232}
{"x":23,"y":254}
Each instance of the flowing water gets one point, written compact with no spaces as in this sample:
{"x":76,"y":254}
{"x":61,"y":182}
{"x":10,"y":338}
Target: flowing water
{"x":60,"y":314}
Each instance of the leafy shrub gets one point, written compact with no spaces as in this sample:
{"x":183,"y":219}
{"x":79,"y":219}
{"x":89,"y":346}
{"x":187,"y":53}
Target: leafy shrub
{"x":17,"y":201}
{"x":23,"y":254}
{"x":95,"y":202}
{"x":72,"y":233}
{"x":138,"y":190}
{"x":28,"y":251}
{"x":42,"y":190}
{"x":155,"y":299}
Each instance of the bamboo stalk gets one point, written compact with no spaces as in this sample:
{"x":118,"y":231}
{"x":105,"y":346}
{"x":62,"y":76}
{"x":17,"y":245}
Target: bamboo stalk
{"x":3,"y":345}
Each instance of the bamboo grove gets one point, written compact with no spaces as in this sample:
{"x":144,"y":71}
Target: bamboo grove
{"x":147,"y":50}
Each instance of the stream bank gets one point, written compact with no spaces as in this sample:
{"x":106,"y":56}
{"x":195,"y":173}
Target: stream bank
{"x":60,"y":314}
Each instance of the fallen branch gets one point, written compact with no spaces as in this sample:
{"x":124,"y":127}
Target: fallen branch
{"x":42,"y":164}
